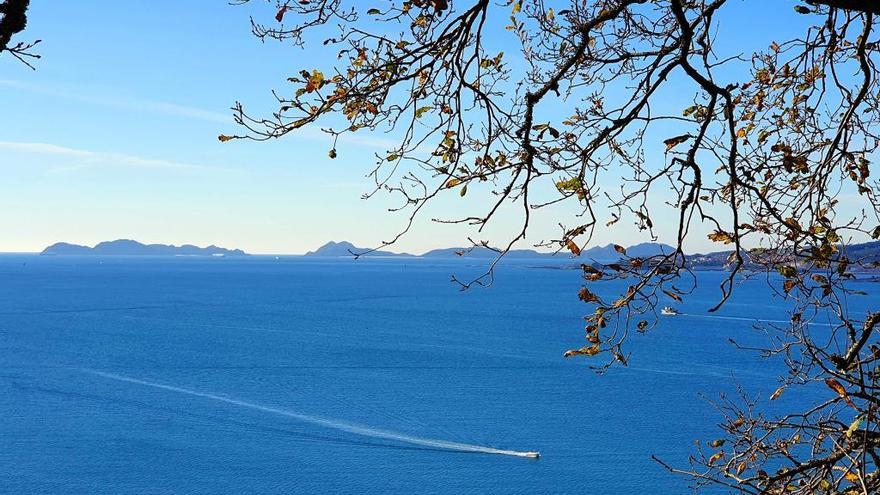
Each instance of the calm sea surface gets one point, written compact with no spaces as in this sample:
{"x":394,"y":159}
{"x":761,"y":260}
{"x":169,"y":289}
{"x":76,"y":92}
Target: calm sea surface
{"x":296,"y":375}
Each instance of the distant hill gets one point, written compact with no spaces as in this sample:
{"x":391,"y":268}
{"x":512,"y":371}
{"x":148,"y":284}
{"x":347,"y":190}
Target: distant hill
{"x":866,"y":253}
{"x":127,"y":247}
{"x":344,"y":248}
{"x":603,"y":253}
{"x":643,"y":250}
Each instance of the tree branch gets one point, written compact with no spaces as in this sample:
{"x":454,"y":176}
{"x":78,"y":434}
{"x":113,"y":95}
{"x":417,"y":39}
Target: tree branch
{"x":14,"y":20}
{"x":866,"y":6}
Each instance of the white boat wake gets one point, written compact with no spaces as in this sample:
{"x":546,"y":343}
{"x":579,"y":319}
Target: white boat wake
{"x":325,"y":422}
{"x":749,"y":319}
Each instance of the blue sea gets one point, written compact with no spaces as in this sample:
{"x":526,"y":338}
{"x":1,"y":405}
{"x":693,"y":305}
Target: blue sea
{"x":300,"y":375}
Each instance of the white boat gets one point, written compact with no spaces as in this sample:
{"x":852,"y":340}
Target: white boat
{"x":668,"y":311}
{"x":533,"y":455}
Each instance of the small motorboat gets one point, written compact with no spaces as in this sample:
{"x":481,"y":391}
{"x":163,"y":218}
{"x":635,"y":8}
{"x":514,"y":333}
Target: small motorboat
{"x":533,"y":455}
{"x":668,"y":311}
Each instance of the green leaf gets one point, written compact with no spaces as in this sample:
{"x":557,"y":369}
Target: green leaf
{"x":853,"y":427}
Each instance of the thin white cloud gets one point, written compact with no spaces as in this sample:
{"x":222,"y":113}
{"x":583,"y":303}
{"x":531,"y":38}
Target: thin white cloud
{"x":177,"y":110}
{"x":87,"y":158}
{"x":123,"y":103}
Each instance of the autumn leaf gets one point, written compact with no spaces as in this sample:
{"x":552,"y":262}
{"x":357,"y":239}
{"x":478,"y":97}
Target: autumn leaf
{"x":590,"y":269}
{"x":223,"y":138}
{"x":280,"y":15}
{"x":332,"y":153}
{"x":316,"y":79}
{"x":645,"y":218}
{"x":589,"y":351}
{"x":586,"y":296}
{"x":721,"y":236}
{"x":788,"y":285}
{"x":675,"y":141}
{"x":777,"y":393}
{"x":620,"y":249}
{"x":516,"y":7}
{"x":452,"y":183}
{"x":787,"y":271}
{"x":573,"y":247}
{"x":841,"y":391}
{"x":715,"y":458}
{"x":614,"y":219}
{"x":672,"y":295}
{"x":716,"y":443}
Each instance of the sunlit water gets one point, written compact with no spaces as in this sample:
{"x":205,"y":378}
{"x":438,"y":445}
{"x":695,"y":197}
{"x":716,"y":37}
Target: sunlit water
{"x":139,"y":375}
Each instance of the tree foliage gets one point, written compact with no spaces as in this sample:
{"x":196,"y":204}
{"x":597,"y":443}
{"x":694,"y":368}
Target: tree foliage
{"x":763,"y":157}
{"x":13,"y":21}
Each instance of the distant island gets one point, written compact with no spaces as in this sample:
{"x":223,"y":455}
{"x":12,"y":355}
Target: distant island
{"x":344,"y":248}
{"x":867,"y":253}
{"x":604,"y":253}
{"x":128,"y":247}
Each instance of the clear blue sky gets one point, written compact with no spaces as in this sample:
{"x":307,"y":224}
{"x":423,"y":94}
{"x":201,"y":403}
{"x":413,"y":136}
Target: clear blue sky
{"x":114,"y":136}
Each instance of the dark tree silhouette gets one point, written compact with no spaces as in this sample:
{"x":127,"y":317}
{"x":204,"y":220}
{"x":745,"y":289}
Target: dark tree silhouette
{"x":13,"y":20}
{"x":759,"y":158}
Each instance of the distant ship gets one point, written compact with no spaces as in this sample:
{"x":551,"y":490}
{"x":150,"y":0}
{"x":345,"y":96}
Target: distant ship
{"x":669,"y":311}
